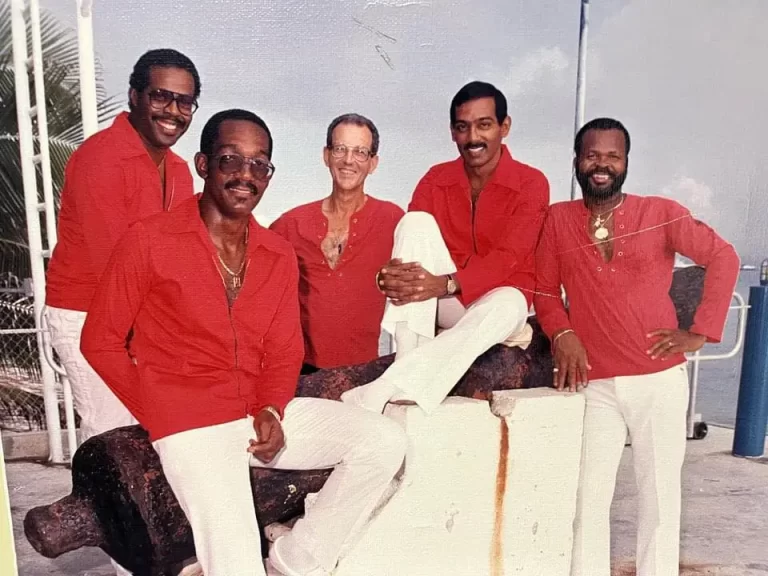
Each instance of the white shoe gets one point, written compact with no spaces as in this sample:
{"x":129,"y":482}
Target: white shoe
{"x":279,"y":568}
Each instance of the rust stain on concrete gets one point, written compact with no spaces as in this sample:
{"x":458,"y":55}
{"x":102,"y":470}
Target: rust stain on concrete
{"x":497,"y":548}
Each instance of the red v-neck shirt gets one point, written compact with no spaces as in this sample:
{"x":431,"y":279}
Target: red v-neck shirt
{"x":194,"y":361}
{"x":614,"y":305}
{"x":110,"y":182}
{"x":341,"y":308}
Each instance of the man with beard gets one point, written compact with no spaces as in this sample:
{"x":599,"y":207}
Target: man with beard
{"x":619,"y":341}
{"x":212,"y":299}
{"x":115,"y":178}
{"x":463,"y":255}
{"x":340,"y":242}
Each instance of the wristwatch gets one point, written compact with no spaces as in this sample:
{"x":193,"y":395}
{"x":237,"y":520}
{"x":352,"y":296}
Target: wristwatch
{"x":450,"y":285}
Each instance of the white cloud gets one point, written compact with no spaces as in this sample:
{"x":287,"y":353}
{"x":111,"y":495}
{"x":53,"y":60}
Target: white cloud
{"x":696,"y":196}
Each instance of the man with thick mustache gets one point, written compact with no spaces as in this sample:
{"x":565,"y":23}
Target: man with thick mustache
{"x":619,"y":340}
{"x":115,"y":178}
{"x":212,"y":299}
{"x":463,"y":256}
{"x":340,"y":242}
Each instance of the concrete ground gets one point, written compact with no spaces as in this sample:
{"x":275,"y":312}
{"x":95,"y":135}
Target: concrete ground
{"x":725,"y":523}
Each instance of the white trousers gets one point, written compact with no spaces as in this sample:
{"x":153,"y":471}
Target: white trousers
{"x":428,"y":366}
{"x":99,"y":409}
{"x":207,"y":468}
{"x":652,"y":408}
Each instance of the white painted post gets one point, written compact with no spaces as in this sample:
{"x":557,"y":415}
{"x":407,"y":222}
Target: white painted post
{"x":21,"y":64}
{"x":88,"y":99}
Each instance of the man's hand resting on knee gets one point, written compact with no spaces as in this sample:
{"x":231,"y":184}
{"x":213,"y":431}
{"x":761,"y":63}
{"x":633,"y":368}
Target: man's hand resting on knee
{"x":269,"y":436}
{"x":408,"y":282}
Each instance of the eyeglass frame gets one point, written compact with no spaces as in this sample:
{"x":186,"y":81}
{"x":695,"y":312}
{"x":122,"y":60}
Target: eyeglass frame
{"x":174,"y":98}
{"x":353,"y":149}
{"x":245,"y":160}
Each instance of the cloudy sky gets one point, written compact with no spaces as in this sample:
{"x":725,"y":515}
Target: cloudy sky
{"x":687,"y":77}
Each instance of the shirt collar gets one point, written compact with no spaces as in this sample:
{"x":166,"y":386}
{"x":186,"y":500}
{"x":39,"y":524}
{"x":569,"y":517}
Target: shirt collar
{"x":128,"y":142}
{"x":506,"y":173}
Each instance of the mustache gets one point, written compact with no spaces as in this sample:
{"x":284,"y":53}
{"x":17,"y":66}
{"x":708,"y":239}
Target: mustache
{"x":170,"y":118}
{"x":471,"y":144}
{"x":242,"y":184}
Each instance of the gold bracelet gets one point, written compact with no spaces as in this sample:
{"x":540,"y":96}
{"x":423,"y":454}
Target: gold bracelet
{"x":569,"y":330}
{"x":272,"y":410}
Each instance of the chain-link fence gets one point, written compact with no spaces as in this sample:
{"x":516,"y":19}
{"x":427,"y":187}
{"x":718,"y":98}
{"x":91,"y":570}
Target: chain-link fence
{"x":21,"y":396}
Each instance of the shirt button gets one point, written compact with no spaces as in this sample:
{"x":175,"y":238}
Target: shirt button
{"x":621,"y":253}
{"x":621,"y":226}
{"x":621,"y":213}
{"x":623,"y":241}
{"x":599,"y":269}
{"x":354,"y":234}
{"x":613,"y":269}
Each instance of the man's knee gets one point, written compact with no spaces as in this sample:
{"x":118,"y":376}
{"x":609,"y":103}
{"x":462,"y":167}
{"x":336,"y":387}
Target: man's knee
{"x":506,"y":301}
{"x":385,"y":443}
{"x":417,"y":223}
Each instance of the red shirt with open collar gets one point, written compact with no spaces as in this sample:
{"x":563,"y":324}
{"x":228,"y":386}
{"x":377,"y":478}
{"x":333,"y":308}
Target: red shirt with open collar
{"x":341,"y":308}
{"x":493,"y":244}
{"x":194,"y":361}
{"x":110,"y":182}
{"x":614,"y":305}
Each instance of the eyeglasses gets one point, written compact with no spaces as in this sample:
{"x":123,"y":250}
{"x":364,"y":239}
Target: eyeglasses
{"x":160,"y":99}
{"x":358,"y":153}
{"x":233,"y":163}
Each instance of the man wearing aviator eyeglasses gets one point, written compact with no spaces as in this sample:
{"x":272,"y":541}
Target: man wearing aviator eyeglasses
{"x":340,"y":242}
{"x":117,"y":177}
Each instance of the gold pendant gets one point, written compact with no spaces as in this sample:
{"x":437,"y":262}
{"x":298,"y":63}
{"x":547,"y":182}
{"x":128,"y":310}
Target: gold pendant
{"x":601,"y":233}
{"x":236,"y":282}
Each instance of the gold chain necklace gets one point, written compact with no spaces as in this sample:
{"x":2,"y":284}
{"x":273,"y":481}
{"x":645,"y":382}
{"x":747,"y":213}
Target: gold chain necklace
{"x":601,"y":232}
{"x":236,"y":280}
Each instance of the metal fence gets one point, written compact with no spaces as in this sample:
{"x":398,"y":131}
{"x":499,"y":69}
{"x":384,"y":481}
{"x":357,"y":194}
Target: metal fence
{"x":22,"y":407}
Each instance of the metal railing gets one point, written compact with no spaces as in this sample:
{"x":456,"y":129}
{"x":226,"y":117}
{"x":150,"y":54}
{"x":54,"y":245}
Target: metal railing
{"x":697,"y":429}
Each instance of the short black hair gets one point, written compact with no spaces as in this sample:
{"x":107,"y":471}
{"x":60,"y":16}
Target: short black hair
{"x":164,"y":58}
{"x":476,"y":90}
{"x":211,"y":128}
{"x":600,"y":124}
{"x":357,"y":120}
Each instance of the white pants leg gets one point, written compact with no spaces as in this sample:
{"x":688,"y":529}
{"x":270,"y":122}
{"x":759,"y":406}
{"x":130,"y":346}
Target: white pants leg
{"x":207,"y":469}
{"x":427,"y":367}
{"x":653,"y":409}
{"x":655,"y":413}
{"x":99,"y":409}
{"x":603,"y":442}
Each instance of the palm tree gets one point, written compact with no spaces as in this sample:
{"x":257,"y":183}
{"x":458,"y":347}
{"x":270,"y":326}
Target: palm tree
{"x":62,"y":92}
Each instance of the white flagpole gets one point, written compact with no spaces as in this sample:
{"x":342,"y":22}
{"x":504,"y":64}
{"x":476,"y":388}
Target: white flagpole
{"x":581,"y":79}
{"x":87,"y":67}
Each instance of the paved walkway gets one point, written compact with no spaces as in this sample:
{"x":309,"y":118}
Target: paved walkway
{"x":725,"y":514}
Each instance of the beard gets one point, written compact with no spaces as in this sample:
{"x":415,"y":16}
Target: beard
{"x":601,"y":193}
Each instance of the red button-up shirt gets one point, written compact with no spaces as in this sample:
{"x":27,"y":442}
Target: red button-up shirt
{"x":194,"y":361}
{"x":614,"y":305}
{"x":494,"y":244}
{"x":341,"y":308}
{"x":110,"y":182}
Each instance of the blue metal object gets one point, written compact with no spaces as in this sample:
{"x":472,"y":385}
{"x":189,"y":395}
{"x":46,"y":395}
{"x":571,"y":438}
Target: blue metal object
{"x":752,"y":409}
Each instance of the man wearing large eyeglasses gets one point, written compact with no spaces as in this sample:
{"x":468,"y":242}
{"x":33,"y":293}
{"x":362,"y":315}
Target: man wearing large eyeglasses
{"x":213,"y":300}
{"x":340,"y":242}
{"x":463,"y":259}
{"x":117,"y":177}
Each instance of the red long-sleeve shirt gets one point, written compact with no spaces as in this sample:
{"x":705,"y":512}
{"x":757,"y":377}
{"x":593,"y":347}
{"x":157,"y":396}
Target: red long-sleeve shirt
{"x":341,"y":308}
{"x":194,"y":361}
{"x":110,"y":182}
{"x":614,"y":305}
{"x":494,"y":244}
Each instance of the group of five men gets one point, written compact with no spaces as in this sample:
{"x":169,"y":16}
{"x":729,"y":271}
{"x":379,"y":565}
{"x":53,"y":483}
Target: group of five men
{"x":196,"y":321}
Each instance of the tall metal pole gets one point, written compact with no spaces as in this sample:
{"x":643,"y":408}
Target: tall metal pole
{"x":87,"y":67}
{"x":581,"y":80}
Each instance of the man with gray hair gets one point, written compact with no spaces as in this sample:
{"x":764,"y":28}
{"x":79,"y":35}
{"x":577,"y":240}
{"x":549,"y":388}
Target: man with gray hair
{"x":340,"y":241}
